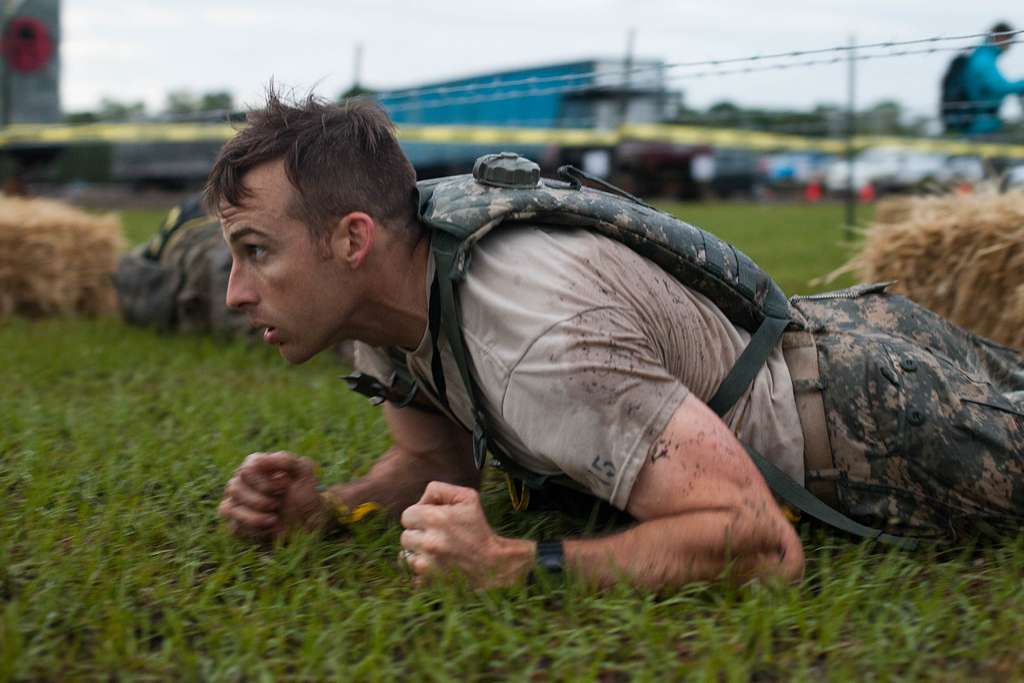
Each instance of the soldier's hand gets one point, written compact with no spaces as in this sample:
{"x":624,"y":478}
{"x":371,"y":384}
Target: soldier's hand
{"x":272,"y":494}
{"x":446,"y":531}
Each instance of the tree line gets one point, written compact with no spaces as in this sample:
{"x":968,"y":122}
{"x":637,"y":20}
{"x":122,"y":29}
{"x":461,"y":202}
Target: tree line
{"x":887,"y":117}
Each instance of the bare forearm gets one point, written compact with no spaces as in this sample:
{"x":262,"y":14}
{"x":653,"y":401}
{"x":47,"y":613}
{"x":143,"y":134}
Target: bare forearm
{"x":672,"y":551}
{"x":398,"y":478}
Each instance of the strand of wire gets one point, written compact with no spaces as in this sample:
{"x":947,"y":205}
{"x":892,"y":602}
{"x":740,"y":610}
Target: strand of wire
{"x":541,"y":80}
{"x":866,"y":121}
{"x":814,"y":124}
{"x":739,"y":117}
{"x":536,"y":92}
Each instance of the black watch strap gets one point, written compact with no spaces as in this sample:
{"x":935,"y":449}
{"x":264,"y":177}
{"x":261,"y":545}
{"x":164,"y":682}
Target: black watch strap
{"x":551,"y":557}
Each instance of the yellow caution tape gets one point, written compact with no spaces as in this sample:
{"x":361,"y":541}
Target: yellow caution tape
{"x":114,"y":132}
{"x":490,"y":135}
{"x":61,"y":134}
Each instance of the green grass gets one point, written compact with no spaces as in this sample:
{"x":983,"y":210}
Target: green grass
{"x":794,"y":243}
{"x":115,"y":444}
{"x":140,"y":224}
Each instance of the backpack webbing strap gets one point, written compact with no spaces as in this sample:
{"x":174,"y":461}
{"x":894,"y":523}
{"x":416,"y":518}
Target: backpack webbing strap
{"x":750,"y":362}
{"x":782,"y":485}
{"x":436,"y":369}
{"x":445,"y":247}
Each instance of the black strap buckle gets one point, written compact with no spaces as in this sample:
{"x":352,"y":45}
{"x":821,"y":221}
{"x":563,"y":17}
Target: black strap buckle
{"x":368,"y":386}
{"x":377,"y":391}
{"x":479,"y":444}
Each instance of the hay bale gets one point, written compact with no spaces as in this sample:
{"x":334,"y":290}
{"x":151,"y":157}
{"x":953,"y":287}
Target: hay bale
{"x":55,"y":259}
{"x":893,"y":209}
{"x":960,"y":255}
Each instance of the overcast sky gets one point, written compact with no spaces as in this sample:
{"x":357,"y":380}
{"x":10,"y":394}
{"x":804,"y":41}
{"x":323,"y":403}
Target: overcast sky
{"x":141,"y":49}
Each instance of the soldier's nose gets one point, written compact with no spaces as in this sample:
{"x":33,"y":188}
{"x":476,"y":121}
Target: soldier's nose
{"x":239,"y":294}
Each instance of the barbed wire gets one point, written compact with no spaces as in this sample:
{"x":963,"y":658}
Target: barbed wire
{"x":740,"y":118}
{"x":540,"y":80}
{"x":536,"y":92}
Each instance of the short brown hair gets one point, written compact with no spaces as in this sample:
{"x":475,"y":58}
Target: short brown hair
{"x":339,"y":158}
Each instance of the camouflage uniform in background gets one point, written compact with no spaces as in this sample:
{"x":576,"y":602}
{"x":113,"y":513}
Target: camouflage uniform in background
{"x":178,"y":280}
{"x":925,"y":419}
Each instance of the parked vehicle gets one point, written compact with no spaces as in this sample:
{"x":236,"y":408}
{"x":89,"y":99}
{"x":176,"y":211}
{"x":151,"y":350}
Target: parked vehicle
{"x":793,"y":169}
{"x":735,"y":172}
{"x":889,"y":169}
{"x":966,"y":168}
{"x":1013,"y":179}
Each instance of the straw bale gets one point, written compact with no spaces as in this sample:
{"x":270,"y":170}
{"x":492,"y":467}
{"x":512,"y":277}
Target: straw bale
{"x":960,"y":255}
{"x":55,"y":259}
{"x":893,"y":209}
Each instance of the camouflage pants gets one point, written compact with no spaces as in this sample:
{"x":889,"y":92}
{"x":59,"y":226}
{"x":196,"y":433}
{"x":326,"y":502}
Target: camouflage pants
{"x":925,"y":419}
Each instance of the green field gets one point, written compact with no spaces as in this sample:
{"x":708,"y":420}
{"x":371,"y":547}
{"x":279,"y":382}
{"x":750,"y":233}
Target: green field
{"x":115,"y":443}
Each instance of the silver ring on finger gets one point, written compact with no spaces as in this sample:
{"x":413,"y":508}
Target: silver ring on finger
{"x":405,"y":556}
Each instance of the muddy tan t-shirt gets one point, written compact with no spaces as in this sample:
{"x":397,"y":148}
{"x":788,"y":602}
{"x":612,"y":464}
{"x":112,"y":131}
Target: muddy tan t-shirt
{"x":583,"y":350}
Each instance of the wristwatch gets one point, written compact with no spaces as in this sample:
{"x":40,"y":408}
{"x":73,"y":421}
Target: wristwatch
{"x":551,"y":557}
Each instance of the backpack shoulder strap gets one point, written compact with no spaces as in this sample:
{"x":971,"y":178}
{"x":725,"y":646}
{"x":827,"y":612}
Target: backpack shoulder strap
{"x":445,"y":248}
{"x":749,"y":363}
{"x":782,"y":485}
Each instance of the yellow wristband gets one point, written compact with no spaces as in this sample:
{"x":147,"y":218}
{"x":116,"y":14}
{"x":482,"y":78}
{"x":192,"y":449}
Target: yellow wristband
{"x":343,"y":515}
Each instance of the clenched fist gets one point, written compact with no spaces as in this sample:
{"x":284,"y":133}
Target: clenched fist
{"x":446,"y":532}
{"x":271,"y":495}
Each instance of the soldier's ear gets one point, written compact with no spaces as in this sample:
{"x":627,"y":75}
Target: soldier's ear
{"x":353,"y":238}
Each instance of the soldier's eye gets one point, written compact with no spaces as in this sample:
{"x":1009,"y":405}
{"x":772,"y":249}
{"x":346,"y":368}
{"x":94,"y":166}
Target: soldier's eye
{"x":255,"y":252}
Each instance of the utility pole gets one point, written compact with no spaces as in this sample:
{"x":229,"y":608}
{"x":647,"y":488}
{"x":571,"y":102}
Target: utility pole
{"x":5,"y":76}
{"x":627,"y":77}
{"x":851,"y":131}
{"x":357,"y":69}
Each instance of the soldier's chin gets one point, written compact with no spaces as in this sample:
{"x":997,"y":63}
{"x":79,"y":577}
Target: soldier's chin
{"x":294,"y":354}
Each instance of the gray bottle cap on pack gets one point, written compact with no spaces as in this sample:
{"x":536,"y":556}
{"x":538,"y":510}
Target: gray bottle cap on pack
{"x":506,"y":169}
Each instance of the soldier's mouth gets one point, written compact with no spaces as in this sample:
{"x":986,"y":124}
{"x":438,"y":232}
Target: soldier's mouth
{"x":271,"y":335}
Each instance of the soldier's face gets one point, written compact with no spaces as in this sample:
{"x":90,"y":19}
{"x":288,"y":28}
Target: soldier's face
{"x":280,"y":277}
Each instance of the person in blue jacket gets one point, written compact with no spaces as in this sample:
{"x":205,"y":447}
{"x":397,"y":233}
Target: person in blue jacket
{"x":984,"y":85}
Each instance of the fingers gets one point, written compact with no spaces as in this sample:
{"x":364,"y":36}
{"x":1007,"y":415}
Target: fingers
{"x":245,"y":522}
{"x":269,"y":463}
{"x":271,"y":473}
{"x":251,"y":496}
{"x":421,"y":566}
{"x":270,"y":494}
{"x":422,"y":553}
{"x":441,"y":493}
{"x":244,"y":493}
{"x":423,"y":542}
{"x":268,"y":484}
{"x":425,"y":552}
{"x":422,"y":516}
{"x":436,"y":505}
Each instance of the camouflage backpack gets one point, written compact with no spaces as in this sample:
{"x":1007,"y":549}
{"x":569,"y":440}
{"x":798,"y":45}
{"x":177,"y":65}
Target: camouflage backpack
{"x":178,"y":280}
{"x":505,"y":189}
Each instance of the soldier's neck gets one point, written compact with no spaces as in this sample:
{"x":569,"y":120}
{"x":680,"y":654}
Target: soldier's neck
{"x":398,"y":313}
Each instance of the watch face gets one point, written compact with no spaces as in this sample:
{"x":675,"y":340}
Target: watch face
{"x":551,"y":565}
{"x":551,"y":556}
